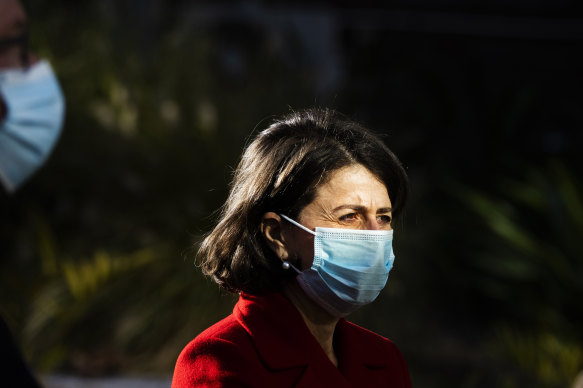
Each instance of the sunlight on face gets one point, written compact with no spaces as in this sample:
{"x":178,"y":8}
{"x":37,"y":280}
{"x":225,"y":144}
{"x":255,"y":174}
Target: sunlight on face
{"x":353,"y":198}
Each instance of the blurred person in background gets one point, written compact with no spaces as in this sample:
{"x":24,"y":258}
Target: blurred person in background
{"x":31,"y":102}
{"x":31,"y":116}
{"x":305,"y":238}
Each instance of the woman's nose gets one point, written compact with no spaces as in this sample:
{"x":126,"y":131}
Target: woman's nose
{"x":373,"y":224}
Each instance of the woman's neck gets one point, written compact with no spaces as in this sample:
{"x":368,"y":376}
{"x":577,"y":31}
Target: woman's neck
{"x":319,"y":322}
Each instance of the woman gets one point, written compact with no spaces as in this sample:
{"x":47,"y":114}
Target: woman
{"x":305,"y":237}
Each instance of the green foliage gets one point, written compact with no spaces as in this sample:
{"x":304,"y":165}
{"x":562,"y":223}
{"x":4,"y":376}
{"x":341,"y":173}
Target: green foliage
{"x":530,"y":268}
{"x":94,"y":275}
{"x":534,"y":246}
{"x":544,"y":359}
{"x":113,"y":304}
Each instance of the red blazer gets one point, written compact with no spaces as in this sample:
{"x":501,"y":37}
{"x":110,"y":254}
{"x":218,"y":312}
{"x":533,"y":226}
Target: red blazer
{"x":265,"y":343}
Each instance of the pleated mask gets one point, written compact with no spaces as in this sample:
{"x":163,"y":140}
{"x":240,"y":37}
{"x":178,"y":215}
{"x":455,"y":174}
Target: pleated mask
{"x":35,"y":109}
{"x":350,"y":267}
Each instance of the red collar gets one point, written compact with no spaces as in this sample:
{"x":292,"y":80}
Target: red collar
{"x":283,"y":340}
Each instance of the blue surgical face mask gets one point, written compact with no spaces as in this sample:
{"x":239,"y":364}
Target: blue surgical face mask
{"x":34,"y":117}
{"x":350,"y":267}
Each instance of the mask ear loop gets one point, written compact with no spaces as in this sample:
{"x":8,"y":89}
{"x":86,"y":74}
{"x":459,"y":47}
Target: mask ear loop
{"x":297,"y":224}
{"x":286,"y":264}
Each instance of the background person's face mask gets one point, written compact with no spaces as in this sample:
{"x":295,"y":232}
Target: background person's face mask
{"x":34,"y":117}
{"x":350,"y":267}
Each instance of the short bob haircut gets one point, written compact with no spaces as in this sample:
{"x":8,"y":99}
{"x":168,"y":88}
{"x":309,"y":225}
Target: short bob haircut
{"x":280,"y":171}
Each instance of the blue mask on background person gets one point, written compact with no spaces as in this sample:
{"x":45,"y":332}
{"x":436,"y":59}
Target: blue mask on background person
{"x":35,"y":110}
{"x":350,"y":267}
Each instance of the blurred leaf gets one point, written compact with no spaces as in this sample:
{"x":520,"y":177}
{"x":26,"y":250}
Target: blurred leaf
{"x":545,"y":357}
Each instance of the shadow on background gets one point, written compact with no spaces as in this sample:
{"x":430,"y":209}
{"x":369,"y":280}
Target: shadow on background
{"x":482,"y":103}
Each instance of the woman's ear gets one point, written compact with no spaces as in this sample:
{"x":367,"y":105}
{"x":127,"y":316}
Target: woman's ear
{"x":272,"y":231}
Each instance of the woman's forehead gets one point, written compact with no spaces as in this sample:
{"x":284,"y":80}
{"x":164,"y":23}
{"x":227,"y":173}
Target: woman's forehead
{"x":352,"y":185}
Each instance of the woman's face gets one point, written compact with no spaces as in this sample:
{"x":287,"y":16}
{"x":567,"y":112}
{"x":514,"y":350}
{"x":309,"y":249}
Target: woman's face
{"x":353,"y":198}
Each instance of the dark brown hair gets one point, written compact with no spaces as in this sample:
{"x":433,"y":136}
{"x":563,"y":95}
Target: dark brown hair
{"x":280,"y":171}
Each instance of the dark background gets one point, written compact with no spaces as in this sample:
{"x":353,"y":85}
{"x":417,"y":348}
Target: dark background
{"x":480,"y":100}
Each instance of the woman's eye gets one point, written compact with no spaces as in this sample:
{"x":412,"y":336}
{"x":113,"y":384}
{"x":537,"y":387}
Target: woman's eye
{"x":384,"y":219}
{"x":348,"y":217}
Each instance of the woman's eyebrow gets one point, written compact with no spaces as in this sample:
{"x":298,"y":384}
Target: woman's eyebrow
{"x":360,"y":208}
